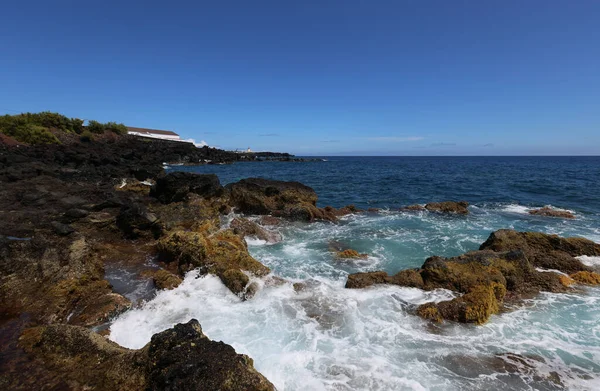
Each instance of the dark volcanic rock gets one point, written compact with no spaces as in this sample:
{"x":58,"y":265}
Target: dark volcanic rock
{"x":183,"y":358}
{"x":135,"y":220}
{"x":291,"y":200}
{"x":459,"y":207}
{"x":176,"y":186}
{"x":62,"y":229}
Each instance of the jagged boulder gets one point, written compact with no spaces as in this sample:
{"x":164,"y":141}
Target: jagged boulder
{"x":183,"y":358}
{"x":455,"y":207}
{"x":291,"y":200}
{"x":180,"y":358}
{"x":164,"y":279}
{"x":544,"y":250}
{"x":135,"y":221}
{"x":175,"y":186}
{"x":223,"y":253}
{"x":244,"y":227}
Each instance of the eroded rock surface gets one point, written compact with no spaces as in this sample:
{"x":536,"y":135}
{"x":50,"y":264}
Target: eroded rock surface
{"x":290,"y":200}
{"x":549,"y":212}
{"x":504,"y":269}
{"x":459,"y":207}
{"x":180,"y":358}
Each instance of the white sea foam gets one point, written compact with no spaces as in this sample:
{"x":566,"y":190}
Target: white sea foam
{"x":589,"y":260}
{"x":516,"y":208}
{"x":326,"y":337}
{"x":255,"y":241}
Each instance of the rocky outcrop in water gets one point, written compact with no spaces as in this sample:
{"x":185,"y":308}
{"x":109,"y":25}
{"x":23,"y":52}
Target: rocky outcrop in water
{"x":181,"y":358}
{"x":245,"y":227}
{"x":223,"y":253}
{"x":504,"y":269}
{"x":290,"y":200}
{"x":459,"y":207}
{"x":450,"y":207}
{"x":543,"y":250}
{"x":549,"y":212}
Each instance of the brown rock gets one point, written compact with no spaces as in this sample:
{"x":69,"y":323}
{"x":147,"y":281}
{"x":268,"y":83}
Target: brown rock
{"x":588,"y":278}
{"x":290,"y":200}
{"x":543,"y":250}
{"x":459,"y":207}
{"x":547,"y":211}
{"x":165,"y":280}
{"x":180,"y":358}
{"x":414,"y":208}
{"x":245,"y":227}
{"x":223,"y":253}
{"x":269,"y":220}
{"x":351,"y":254}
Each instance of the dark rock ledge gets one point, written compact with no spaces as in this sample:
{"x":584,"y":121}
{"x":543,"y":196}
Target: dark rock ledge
{"x":180,"y":358}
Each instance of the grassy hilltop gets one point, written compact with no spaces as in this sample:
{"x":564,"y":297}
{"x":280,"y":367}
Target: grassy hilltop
{"x":47,"y":127}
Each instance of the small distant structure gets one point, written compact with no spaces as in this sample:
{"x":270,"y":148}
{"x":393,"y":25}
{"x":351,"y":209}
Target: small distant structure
{"x":249,"y":150}
{"x":154,"y":133}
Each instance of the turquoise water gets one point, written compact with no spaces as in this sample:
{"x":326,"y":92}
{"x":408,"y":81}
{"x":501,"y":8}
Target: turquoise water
{"x":326,"y":337}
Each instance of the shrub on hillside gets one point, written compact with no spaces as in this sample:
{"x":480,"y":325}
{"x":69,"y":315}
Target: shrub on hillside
{"x":116,"y":128}
{"x":31,"y":134}
{"x":86,"y":136}
{"x":95,"y":127}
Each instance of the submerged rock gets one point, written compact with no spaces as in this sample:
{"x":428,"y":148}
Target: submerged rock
{"x":351,"y":254}
{"x":180,"y":358}
{"x":175,"y":186}
{"x":504,"y":267}
{"x":547,"y":211}
{"x":459,"y":207}
{"x":414,"y":208}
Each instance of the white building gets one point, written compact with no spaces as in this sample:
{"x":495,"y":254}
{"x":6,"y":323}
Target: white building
{"x":153,"y":133}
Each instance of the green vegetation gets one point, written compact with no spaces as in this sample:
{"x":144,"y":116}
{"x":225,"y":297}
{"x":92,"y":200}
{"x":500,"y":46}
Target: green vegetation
{"x":99,"y":128}
{"x":86,"y":136}
{"x":43,"y":128}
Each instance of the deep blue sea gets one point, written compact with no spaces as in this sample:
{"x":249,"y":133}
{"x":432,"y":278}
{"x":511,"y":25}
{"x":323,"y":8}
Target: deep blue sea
{"x":327,"y":337}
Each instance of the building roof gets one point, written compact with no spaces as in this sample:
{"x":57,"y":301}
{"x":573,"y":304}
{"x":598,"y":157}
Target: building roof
{"x":152,"y":131}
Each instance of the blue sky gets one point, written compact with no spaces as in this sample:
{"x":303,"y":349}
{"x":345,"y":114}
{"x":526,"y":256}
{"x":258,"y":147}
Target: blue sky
{"x":318,"y":77}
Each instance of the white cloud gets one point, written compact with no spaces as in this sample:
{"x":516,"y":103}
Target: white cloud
{"x":201,"y":144}
{"x":396,"y":139}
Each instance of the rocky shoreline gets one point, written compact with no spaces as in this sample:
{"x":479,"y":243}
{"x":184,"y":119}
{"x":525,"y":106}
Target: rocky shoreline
{"x":71,"y":210}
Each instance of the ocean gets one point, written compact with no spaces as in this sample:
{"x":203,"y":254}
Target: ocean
{"x":326,"y":337}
